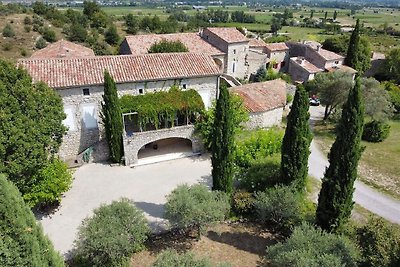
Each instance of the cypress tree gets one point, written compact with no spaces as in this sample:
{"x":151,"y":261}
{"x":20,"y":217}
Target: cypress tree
{"x":353,"y":51}
{"x":112,"y":118}
{"x":296,"y":142}
{"x":222,"y":145}
{"x":335,"y":200}
{"x":22,"y":242}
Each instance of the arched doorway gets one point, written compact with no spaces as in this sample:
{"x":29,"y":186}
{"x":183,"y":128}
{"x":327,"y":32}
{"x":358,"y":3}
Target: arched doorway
{"x":165,"y":149}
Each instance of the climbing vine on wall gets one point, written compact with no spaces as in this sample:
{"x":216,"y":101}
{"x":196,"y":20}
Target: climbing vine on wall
{"x":154,"y":108}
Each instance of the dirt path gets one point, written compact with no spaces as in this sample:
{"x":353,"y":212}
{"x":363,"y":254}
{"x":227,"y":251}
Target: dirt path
{"x":364,"y":195}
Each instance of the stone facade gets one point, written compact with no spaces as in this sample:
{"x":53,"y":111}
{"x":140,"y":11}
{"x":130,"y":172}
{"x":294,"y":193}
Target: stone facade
{"x":132,"y":144}
{"x":83,"y":106}
{"x":266,"y":119}
{"x":256,"y":59}
{"x":280,"y":58}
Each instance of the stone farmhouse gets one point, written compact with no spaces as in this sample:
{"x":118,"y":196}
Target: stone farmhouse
{"x":79,"y":81}
{"x":264,"y":101}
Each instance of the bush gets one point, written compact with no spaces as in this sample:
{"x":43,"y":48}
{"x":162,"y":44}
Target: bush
{"x":243,"y":202}
{"x":49,"y":35}
{"x":8,"y":31}
{"x":281,"y":206}
{"x":51,"y":181}
{"x":170,"y":258}
{"x":7,"y":46}
{"x":111,"y":35}
{"x":27,"y":28}
{"x":394,"y":93}
{"x":165,"y":46}
{"x":112,"y":235}
{"x":261,"y":174}
{"x":375,"y":131}
{"x":40,"y":43}
{"x":310,"y":247}
{"x":195,"y":206}
{"x":380,"y":243}
{"x":27,"y":20}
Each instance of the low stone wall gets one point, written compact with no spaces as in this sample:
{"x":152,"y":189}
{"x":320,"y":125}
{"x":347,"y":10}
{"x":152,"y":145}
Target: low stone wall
{"x":132,"y":144}
{"x":265,"y":119}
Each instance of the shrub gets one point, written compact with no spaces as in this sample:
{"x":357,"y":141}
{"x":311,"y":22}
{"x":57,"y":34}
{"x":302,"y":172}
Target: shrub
{"x":257,"y":144}
{"x":243,"y":202}
{"x":22,"y":241}
{"x":27,"y":28}
{"x":379,"y":243}
{"x":51,"y":181}
{"x":27,"y":20}
{"x":112,"y":235}
{"x":111,"y":35}
{"x":394,"y":94}
{"x":165,"y":46}
{"x":7,"y":46}
{"x":195,"y":206}
{"x":23,"y":52}
{"x":310,"y":247}
{"x":281,"y":206}
{"x":8,"y":31}
{"x":375,"y":131}
{"x":170,"y":258}
{"x":40,"y":43}
{"x":49,"y":35}
{"x":261,"y":174}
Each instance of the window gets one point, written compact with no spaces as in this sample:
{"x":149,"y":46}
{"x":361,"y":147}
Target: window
{"x":141,"y":91}
{"x":337,"y":62}
{"x":234,"y":51}
{"x":233,"y":66}
{"x":86,"y":91}
{"x":283,"y":64}
{"x":184,"y":86}
{"x":69,"y":121}
{"x":140,"y":88}
{"x":89,"y":116}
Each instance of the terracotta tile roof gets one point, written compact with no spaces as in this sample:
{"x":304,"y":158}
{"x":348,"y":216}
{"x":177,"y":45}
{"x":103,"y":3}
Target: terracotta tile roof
{"x":140,"y":44}
{"x":342,"y":68}
{"x":264,"y":96}
{"x":229,"y":35}
{"x":277,"y":47}
{"x":257,"y":43}
{"x":72,"y":72}
{"x":63,"y":48}
{"x":305,"y":64}
{"x":328,"y":55}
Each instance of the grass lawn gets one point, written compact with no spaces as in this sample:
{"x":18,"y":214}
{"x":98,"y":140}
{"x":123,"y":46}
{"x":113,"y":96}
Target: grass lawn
{"x":239,"y":244}
{"x":379,"y":162}
{"x":302,"y":33}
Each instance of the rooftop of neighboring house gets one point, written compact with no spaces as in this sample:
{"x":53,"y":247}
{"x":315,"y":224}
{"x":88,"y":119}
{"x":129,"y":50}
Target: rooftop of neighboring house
{"x":62,"y":49}
{"x":229,"y":35}
{"x":277,"y":47}
{"x":263,"y":96}
{"x":342,"y":68}
{"x":255,"y":42}
{"x":328,"y":55}
{"x":73,"y":72}
{"x":305,"y":64}
{"x":140,"y":44}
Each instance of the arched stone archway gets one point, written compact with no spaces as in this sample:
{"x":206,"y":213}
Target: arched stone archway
{"x":167,"y":148}
{"x":132,"y":144}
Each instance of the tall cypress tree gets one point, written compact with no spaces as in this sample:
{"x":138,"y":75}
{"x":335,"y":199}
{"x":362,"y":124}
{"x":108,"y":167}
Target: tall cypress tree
{"x":22,"y":242}
{"x":335,"y":201}
{"x":222,"y":145}
{"x":353,"y":51}
{"x":112,"y":118}
{"x":296,"y":142}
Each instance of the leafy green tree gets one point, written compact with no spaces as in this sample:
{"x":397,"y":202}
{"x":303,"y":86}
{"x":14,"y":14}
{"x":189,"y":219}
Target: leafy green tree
{"x":165,"y":46}
{"x":394,"y":94}
{"x":296,"y":142}
{"x":111,"y":35}
{"x":356,"y":57}
{"x":31,"y":127}
{"x":90,"y":8}
{"x":335,"y":201}
{"x":99,"y":20}
{"x":8,"y":31}
{"x":77,"y":33}
{"x":22,"y":240}
{"x":131,"y":24}
{"x":41,"y":43}
{"x":111,"y":235}
{"x":310,"y":247}
{"x":391,"y":66}
{"x":376,"y":99}
{"x":112,"y":118}
{"x":335,"y":15}
{"x":195,"y":206}
{"x":39,"y":8}
{"x":49,"y":35}
{"x":222,"y":145}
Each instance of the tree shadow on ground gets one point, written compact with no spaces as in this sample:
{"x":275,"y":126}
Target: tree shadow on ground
{"x":253,"y":242}
{"x":152,"y":209}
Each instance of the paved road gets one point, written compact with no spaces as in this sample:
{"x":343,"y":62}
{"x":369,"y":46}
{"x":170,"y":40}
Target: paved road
{"x":364,"y":195}
{"x":146,"y":186}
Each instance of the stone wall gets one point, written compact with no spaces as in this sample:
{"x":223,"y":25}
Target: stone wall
{"x":236,"y":64}
{"x":132,"y":144}
{"x":267,"y":119}
{"x":256,"y":59}
{"x":298,"y":73}
{"x":81,"y":137}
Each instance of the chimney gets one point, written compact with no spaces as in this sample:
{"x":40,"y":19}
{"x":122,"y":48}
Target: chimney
{"x":318,"y":48}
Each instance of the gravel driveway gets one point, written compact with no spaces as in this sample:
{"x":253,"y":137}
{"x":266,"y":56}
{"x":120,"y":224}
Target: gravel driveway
{"x":147,"y":186}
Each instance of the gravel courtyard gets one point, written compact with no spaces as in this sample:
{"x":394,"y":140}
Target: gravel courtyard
{"x":146,"y":186}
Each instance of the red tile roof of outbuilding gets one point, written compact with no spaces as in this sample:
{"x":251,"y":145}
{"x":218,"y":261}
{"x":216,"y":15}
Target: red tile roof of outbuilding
{"x":63,"y":48}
